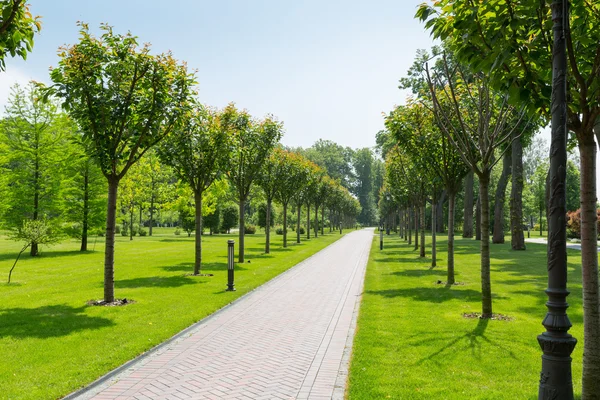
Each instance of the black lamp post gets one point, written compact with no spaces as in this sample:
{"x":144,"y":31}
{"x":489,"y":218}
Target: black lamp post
{"x":557,"y":344}
{"x":230,"y":265}
{"x":381,"y":238}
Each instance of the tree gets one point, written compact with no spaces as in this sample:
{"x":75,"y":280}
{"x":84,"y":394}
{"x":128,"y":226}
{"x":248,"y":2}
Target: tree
{"x":513,"y":41}
{"x":267,"y":180}
{"x":362,"y":161}
{"x":131,"y":195}
{"x":475,"y":120}
{"x":262,"y":216}
{"x":198,"y":153}
{"x":34,"y":135}
{"x":17,"y":27}
{"x":85,"y":192}
{"x":230,"y":217}
{"x":126,"y":101}
{"x":335,"y":159}
{"x":252,"y":142}
{"x":37,"y":232}
{"x":160,"y":176}
{"x":291,"y":175}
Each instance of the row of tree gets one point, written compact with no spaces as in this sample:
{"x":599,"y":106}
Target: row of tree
{"x":479,"y":98}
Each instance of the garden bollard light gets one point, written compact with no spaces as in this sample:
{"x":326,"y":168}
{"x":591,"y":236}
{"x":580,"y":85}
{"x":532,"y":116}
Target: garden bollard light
{"x":230,"y":265}
{"x":381,"y":238}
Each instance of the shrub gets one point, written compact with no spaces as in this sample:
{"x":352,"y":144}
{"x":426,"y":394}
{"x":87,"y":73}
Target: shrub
{"x":177,"y":231}
{"x":249,"y":229}
{"x":302,"y":231}
{"x":118,"y":229}
{"x":574,"y":223}
{"x":279,"y":231}
{"x":142,"y":232}
{"x":125,"y":231}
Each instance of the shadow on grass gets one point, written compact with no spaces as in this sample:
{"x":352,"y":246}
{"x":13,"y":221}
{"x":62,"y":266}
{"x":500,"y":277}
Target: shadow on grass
{"x":415,"y":273}
{"x":433,"y":295}
{"x":189,"y":267}
{"x":44,"y":254}
{"x":47,"y":321}
{"x":157,"y":282}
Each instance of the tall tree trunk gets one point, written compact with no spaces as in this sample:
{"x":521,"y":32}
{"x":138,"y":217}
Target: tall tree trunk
{"x":33,"y":251}
{"x":109,"y":248}
{"x":589,"y":268}
{"x":308,"y":220}
{"x":298,"y":225}
{"x":517,"y":239}
{"x":316,"y":220}
{"x":422,"y":252}
{"x":86,"y":210}
{"x":141,"y":223}
{"x":486,"y":284}
{"x":198,"y":237}
{"x":241,"y":233}
{"x":541,"y":222}
{"x":409,"y":226}
{"x":500,"y":197}
{"x":284,"y":224}
{"x":401,"y":223}
{"x":433,"y":229}
{"x":478,"y":219}
{"x":440,"y":213}
{"x":268,"y":228}
{"x":468,"y":210}
{"x":322,"y":219}
{"x":416,"y":214}
{"x":451,"y":202}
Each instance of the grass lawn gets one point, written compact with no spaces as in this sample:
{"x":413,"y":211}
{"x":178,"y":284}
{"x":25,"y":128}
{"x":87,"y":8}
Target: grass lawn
{"x":412,"y":341}
{"x":52,"y":343}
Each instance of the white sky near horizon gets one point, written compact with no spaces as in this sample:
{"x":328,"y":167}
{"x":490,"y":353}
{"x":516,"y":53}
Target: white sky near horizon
{"x":327,"y":68}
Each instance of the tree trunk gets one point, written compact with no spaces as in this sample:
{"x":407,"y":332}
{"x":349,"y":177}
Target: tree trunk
{"x":451,"y":202}
{"x":298,"y":225}
{"x":316,"y":220}
{"x":440,"y":213}
{"x":109,"y":248}
{"x":517,"y":239}
{"x":33,"y":251}
{"x":433,"y":229}
{"x":468,"y":210}
{"x":268,"y":228}
{"x":284,"y":224}
{"x":141,"y":223}
{"x":416,"y":215}
{"x":409,"y":212}
{"x":486,"y":284}
{"x":322,"y":219}
{"x":478,"y":219}
{"x":198,"y":237}
{"x":500,"y":197}
{"x":541,"y":227}
{"x":152,"y":216}
{"x":86,"y":210}
{"x":241,"y":233}
{"x":422,"y":253}
{"x":308,"y":220}
{"x":589,"y":268}
{"x":131,"y":224}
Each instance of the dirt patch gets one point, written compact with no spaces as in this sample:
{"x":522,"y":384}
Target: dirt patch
{"x":497,"y":317}
{"x":115,"y":303}
{"x":454,"y":284}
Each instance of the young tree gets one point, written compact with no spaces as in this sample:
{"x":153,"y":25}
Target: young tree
{"x":267,"y":180}
{"x":17,"y":27}
{"x":198,"y":154}
{"x":36,"y":232}
{"x":230,"y":217}
{"x":125,"y":100}
{"x":35,"y":136}
{"x":475,"y":120}
{"x":252,"y":142}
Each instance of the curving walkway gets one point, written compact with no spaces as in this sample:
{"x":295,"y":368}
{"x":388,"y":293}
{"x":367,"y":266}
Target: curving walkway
{"x":288,"y":339}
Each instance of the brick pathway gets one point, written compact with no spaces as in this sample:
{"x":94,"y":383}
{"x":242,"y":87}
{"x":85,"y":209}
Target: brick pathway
{"x":289,"y":339}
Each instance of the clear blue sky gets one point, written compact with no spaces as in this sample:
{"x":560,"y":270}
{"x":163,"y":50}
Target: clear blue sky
{"x":327,"y":69}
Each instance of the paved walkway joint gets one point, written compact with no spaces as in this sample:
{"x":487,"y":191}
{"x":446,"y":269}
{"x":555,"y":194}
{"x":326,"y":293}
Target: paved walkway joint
{"x":288,"y":339}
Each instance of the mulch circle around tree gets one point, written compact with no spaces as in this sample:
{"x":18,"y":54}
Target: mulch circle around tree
{"x":496,"y":317}
{"x":116,"y":302}
{"x":454,"y":284}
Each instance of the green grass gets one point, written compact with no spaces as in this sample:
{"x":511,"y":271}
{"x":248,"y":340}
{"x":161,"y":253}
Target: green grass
{"x":412,"y":341}
{"x":52,"y":343}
